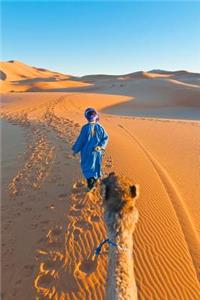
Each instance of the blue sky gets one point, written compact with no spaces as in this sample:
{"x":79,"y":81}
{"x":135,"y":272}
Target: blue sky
{"x":110,"y":37}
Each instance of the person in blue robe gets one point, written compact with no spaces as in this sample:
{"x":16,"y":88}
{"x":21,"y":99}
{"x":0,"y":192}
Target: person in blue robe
{"x":91,"y":144}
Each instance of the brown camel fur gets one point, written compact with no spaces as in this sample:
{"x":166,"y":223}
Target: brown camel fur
{"x":120,"y":217}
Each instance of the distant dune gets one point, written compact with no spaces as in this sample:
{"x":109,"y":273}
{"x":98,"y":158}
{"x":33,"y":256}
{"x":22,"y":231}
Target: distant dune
{"x":18,"y":77}
{"x":156,"y":93}
{"x":16,"y":70}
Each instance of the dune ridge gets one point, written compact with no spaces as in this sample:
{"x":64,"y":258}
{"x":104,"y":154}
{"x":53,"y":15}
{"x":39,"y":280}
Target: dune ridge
{"x":16,"y":76}
{"x":19,"y":77}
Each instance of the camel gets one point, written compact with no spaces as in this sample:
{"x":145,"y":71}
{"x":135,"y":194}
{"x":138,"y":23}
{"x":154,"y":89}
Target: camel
{"x":120,"y":216}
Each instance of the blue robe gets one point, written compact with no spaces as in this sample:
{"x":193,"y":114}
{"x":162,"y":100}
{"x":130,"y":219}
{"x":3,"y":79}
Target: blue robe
{"x":91,"y":136}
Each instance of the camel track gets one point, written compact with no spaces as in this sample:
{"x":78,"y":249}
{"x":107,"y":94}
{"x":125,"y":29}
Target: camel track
{"x":40,"y":152}
{"x":73,"y":258}
{"x":65,"y":268}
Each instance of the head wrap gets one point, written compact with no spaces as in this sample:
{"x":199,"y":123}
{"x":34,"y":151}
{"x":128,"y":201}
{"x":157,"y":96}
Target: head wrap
{"x":91,"y":115}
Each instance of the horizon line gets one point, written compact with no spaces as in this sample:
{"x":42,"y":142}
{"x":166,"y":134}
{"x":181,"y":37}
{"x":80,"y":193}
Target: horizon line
{"x":106,"y":74}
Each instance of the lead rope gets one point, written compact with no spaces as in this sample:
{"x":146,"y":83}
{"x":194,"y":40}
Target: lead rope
{"x":98,"y":249}
{"x":111,"y":243}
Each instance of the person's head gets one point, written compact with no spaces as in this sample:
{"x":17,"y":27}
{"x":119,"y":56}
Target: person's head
{"x":91,"y":115}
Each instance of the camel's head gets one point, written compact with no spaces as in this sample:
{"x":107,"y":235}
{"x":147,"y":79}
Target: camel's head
{"x":119,"y":196}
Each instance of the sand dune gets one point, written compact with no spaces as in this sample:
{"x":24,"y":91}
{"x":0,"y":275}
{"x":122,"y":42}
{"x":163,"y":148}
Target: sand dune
{"x":156,"y":98}
{"x":64,"y":224}
{"x":51,"y":225}
{"x":156,"y":93}
{"x":16,"y":76}
{"x":19,"y":77}
{"x":16,"y":70}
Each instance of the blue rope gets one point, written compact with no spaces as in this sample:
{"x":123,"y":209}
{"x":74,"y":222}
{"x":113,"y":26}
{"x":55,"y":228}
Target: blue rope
{"x":98,"y":249}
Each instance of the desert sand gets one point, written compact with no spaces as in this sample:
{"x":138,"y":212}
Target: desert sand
{"x":51,"y":225}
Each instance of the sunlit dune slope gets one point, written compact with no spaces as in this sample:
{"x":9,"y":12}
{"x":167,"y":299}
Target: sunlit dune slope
{"x":16,"y":70}
{"x":16,"y":76}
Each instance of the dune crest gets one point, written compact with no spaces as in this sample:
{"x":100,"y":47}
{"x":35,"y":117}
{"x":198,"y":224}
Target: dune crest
{"x":16,"y":76}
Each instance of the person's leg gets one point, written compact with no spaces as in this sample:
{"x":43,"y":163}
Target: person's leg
{"x":91,"y":182}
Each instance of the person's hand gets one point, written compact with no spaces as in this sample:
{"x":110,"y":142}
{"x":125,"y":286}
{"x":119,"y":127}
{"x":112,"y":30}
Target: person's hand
{"x":98,"y":148}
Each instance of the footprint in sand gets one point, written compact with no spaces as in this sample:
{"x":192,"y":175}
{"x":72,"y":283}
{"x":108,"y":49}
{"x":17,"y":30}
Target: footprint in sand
{"x":79,"y":188}
{"x":55,"y":245}
{"x":52,"y":264}
{"x":95,"y":218}
{"x":62,"y":196}
{"x":83,"y":224}
{"x":77,"y":232}
{"x":55,"y":237}
{"x":79,"y":184}
{"x":108,"y":163}
{"x":28,"y":270}
{"x":74,"y":213}
{"x":77,"y":192}
{"x":88,"y":266}
{"x":78,"y":206}
{"x":45,"y":280}
{"x":57,"y":231}
{"x":42,"y":240}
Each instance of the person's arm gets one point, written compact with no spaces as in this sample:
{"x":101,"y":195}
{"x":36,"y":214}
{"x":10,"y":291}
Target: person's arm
{"x":79,"y":142}
{"x":104,"y":140}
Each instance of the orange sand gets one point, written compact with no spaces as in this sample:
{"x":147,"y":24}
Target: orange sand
{"x":19,"y":77}
{"x":50,"y":226}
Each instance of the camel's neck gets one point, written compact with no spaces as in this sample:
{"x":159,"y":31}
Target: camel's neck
{"x":121,"y":279}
